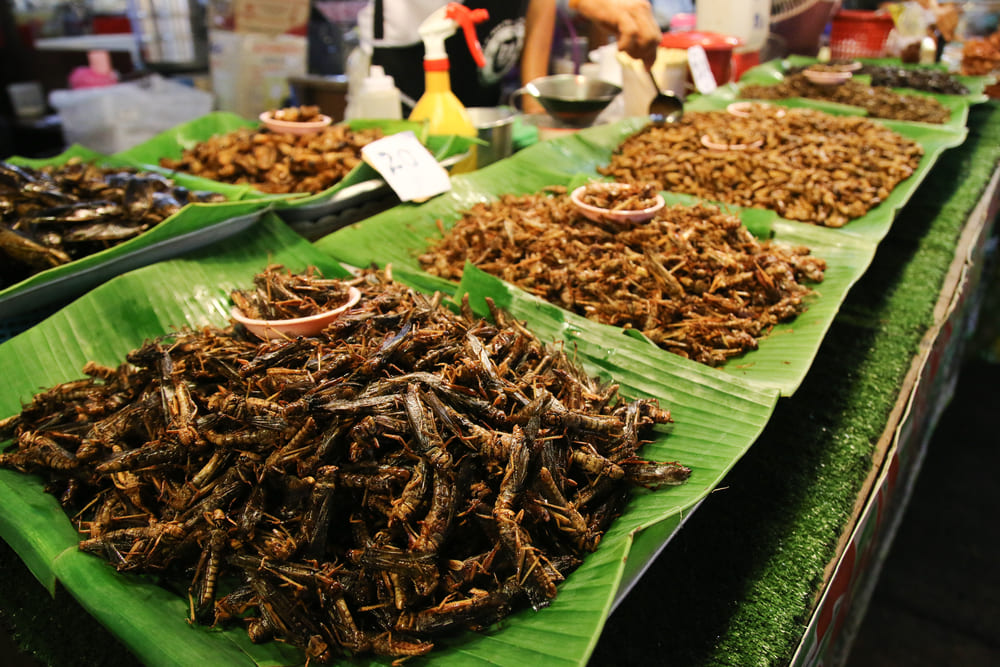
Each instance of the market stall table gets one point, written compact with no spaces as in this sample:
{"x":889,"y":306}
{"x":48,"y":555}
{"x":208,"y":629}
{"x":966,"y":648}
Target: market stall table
{"x":741,"y":581}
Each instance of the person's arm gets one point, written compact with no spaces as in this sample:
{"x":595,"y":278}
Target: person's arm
{"x":539,"y":26}
{"x":632,"y":21}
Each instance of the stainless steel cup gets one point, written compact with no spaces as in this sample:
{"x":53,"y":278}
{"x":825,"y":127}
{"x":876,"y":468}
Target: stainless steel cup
{"x":494,"y":125}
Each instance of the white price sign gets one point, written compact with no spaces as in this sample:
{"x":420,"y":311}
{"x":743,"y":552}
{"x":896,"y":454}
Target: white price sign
{"x":407,"y":166}
{"x":701,"y":71}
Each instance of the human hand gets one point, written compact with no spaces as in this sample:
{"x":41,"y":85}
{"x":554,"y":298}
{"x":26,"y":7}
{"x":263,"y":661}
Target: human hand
{"x":632,"y":21}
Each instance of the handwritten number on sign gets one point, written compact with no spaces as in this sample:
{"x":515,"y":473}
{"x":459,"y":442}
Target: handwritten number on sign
{"x":407,"y":166}
{"x":399,"y":160}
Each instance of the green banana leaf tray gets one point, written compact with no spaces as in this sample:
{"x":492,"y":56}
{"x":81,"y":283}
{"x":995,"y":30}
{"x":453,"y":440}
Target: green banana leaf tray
{"x":193,"y":226}
{"x":361,"y":185}
{"x":774,"y":71}
{"x":193,"y":290}
{"x":399,"y":235}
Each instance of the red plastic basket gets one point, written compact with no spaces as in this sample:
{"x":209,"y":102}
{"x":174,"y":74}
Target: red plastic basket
{"x":856,"y":33}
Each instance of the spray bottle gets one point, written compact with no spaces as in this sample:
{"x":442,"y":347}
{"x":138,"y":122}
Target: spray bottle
{"x":438,"y":105}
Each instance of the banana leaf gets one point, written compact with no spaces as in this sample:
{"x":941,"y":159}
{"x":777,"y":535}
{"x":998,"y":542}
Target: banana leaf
{"x":193,"y":226}
{"x":172,"y":143}
{"x":398,"y":236}
{"x":773,"y":71}
{"x":958,"y":107}
{"x":784,"y":355}
{"x":116,"y":317}
{"x":934,"y":139}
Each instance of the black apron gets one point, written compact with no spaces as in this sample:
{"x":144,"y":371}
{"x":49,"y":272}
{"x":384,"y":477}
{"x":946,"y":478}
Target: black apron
{"x":501,"y":37}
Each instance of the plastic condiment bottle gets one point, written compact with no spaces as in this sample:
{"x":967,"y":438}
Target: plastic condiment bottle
{"x":379,"y":97}
{"x":439,"y":106}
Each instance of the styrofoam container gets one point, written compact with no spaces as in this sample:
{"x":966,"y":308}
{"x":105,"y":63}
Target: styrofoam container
{"x":114,"y":118}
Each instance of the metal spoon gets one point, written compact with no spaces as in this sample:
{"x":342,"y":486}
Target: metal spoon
{"x":665,"y":107}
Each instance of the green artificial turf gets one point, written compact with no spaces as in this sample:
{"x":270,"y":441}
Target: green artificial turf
{"x":736,"y":585}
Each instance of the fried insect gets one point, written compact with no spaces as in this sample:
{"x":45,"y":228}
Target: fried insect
{"x":808,"y":165}
{"x":371,"y":505}
{"x":693,"y":279}
{"x":878,"y":100}
{"x":276,"y":162}
{"x":53,"y":215}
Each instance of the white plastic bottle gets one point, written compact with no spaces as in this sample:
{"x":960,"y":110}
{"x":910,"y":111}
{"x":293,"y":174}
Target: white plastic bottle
{"x":379,"y":97}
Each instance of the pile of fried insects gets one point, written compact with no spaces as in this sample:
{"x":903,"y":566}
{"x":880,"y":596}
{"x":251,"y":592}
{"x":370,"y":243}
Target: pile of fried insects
{"x":54,"y":215}
{"x":410,"y":472}
{"x":693,"y":279}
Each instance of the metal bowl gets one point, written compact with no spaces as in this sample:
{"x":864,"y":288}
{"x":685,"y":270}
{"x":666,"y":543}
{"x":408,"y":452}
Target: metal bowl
{"x":572,"y":98}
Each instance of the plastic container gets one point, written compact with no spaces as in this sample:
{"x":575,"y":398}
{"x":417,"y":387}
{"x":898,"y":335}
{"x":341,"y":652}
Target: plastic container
{"x":670,"y":71}
{"x":96,"y":74}
{"x":857,"y":33}
{"x":749,"y":20}
{"x":682,"y":22}
{"x":27,"y":98}
{"x":110,"y":119}
{"x":379,"y":97}
{"x":718,"y":48}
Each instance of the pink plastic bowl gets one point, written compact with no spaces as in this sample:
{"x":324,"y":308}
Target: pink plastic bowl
{"x":827,"y":77}
{"x":294,"y":127}
{"x":298,"y":326}
{"x":603,"y":214}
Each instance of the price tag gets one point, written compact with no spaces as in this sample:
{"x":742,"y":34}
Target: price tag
{"x":701,"y":71}
{"x":407,"y":166}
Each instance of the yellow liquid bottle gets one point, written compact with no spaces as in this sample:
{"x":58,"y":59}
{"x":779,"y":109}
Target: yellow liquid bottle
{"x":439,"y":106}
{"x":445,"y":114}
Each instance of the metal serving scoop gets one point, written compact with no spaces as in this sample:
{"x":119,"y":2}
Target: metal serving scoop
{"x":665,"y":107}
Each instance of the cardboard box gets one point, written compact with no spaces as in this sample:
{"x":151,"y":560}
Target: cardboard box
{"x":250,"y":70}
{"x":267,"y":17}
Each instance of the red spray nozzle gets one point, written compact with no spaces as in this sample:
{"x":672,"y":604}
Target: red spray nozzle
{"x":468,"y":18}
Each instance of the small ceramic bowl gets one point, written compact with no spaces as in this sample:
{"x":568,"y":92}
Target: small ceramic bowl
{"x":298,"y":326}
{"x":294,"y":127}
{"x":743,"y":109}
{"x":598,"y":214}
{"x":827,"y":77}
{"x":707,"y":142}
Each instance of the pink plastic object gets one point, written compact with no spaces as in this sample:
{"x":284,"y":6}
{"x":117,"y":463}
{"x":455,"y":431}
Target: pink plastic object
{"x":294,"y":127}
{"x":718,"y":48}
{"x":98,"y":73}
{"x":683,"y":21}
{"x":852,"y":66}
{"x":827,"y":77}
{"x":299,"y":326}
{"x":598,"y":214}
